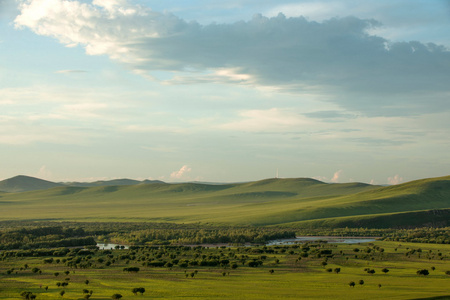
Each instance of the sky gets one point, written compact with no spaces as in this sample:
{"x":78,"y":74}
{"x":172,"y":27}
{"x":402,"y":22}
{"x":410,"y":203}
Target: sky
{"x":225,"y":91}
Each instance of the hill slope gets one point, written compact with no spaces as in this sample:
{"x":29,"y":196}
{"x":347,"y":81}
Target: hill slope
{"x":23,"y":183}
{"x":294,"y":202}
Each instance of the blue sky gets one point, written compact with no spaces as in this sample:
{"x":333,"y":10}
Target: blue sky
{"x":201,"y":90}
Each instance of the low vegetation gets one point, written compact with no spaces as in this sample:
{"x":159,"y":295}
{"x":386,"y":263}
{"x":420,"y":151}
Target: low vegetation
{"x":378,"y":270}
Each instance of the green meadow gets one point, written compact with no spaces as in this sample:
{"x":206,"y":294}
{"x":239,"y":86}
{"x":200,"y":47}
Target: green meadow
{"x":307,"y":278}
{"x":297,"y":202}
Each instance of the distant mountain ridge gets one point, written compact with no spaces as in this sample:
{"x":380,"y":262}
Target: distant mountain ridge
{"x":23,"y":183}
{"x":123,"y":181}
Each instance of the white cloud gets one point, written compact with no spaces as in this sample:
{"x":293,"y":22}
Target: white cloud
{"x":272,"y":120}
{"x":396,"y":179}
{"x":181,"y":172}
{"x":337,"y":57}
{"x":70,"y":71}
{"x":336,"y":177}
{"x":44,"y":173}
{"x":84,"y":109}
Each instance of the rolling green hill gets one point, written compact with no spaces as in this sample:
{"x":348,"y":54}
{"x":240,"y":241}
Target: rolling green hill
{"x":298,"y":202}
{"x":23,"y":183}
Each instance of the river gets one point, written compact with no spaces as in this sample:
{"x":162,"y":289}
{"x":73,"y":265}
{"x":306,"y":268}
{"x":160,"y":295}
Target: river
{"x":329,"y":239}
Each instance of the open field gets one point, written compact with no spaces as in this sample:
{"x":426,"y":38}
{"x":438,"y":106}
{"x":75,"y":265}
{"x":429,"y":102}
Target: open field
{"x":306,"y":278}
{"x":298,"y":202}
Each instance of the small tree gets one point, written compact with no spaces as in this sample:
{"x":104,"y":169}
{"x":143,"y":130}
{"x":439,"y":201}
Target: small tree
{"x":423,"y":272}
{"x":352,"y":284}
{"x":385,"y":270}
{"x":361,"y":282}
{"x":337,"y":270}
{"x":28,"y":295}
{"x":62,"y":293}
{"x":371,"y":271}
{"x":86,"y":282}
{"x":116,"y":296}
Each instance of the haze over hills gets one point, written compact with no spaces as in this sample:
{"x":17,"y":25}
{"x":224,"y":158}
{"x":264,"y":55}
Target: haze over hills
{"x":123,"y":181}
{"x":24,"y":183}
{"x":298,"y":202}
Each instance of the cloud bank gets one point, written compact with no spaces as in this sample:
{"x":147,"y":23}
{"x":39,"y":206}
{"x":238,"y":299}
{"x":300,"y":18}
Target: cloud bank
{"x":338,"y":57}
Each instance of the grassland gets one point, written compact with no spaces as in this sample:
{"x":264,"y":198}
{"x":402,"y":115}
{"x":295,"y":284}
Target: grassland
{"x":299,"y":202}
{"x":306,"y":278}
{"x":298,"y":272}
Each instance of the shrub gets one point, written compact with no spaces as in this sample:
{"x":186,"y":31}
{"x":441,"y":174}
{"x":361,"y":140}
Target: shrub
{"x":423,"y":272}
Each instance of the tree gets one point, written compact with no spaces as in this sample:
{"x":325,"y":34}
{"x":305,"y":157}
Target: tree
{"x":351,"y":283}
{"x":337,"y":270}
{"x":361,"y":282}
{"x":116,"y":296}
{"x":28,"y":295}
{"x":62,"y":293}
{"x":86,"y":282}
{"x":423,"y":272}
{"x":131,"y":269}
{"x":385,"y":270}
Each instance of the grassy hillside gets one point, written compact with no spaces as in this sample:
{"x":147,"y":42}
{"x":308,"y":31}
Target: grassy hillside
{"x":23,"y":183}
{"x":295,"y":202}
